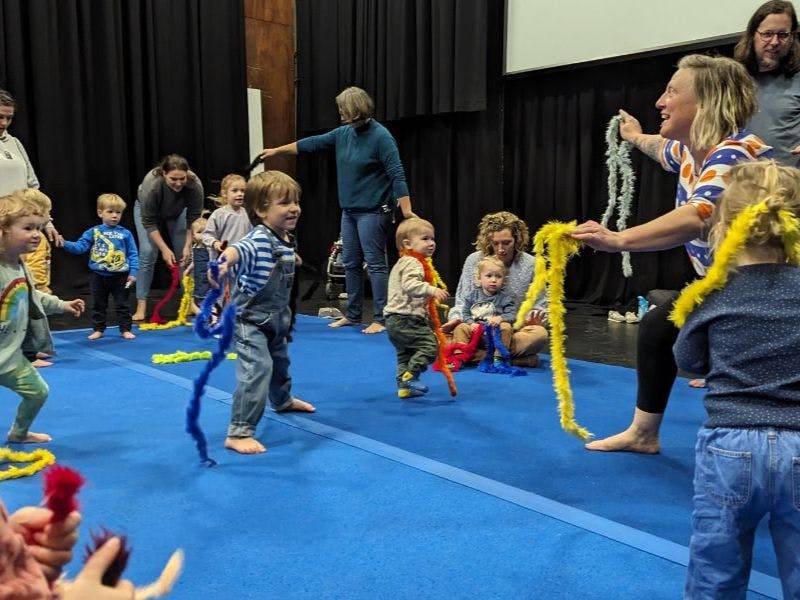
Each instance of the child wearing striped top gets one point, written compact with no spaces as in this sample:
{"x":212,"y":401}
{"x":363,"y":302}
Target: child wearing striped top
{"x":264,"y":262}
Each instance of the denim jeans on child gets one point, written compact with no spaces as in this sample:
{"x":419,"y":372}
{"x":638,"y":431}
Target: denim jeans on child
{"x":741,"y":475}
{"x":262,"y":367}
{"x":148,"y":251}
{"x":364,"y":239}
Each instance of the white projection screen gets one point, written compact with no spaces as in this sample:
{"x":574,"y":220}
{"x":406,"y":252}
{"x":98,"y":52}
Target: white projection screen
{"x":543,"y":34}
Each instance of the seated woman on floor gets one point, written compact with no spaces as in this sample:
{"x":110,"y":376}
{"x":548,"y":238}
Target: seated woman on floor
{"x":504,"y":235}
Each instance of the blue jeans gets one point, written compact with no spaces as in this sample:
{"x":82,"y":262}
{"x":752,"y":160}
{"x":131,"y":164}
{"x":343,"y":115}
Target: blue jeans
{"x":364,"y":239}
{"x":148,"y":252}
{"x":741,"y":475}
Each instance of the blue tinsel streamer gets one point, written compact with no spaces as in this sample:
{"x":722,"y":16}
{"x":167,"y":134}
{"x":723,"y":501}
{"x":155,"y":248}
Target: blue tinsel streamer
{"x":204,"y":329}
{"x":491,"y":334}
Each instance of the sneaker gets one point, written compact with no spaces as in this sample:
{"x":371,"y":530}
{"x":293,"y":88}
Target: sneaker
{"x":631,"y":317}
{"x":615,"y":316}
{"x":407,"y":392}
{"x":410,"y":381}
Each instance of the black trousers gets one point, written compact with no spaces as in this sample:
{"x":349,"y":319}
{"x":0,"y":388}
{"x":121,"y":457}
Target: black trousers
{"x":655,"y":364}
{"x":103,"y":286}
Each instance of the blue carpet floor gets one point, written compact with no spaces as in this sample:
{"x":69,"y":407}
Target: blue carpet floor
{"x":374,"y":497}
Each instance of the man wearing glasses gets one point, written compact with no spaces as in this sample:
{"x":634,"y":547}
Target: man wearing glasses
{"x":770,"y":50}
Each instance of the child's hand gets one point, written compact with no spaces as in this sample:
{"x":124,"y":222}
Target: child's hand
{"x":76,"y":307}
{"x":188,"y":270}
{"x":495,"y":320}
{"x":451,"y":324}
{"x":440,"y":294}
{"x":88,"y":583}
{"x":50,"y":544}
{"x":131,"y":278}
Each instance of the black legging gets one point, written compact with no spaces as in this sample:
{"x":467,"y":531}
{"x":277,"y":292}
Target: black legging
{"x":655,"y":364}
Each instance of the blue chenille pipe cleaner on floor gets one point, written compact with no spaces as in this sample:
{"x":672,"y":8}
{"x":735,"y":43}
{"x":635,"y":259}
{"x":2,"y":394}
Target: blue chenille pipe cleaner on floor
{"x":503,"y":365}
{"x":204,"y":328}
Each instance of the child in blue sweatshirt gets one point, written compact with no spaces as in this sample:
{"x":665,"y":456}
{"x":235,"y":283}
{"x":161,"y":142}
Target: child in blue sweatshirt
{"x":113,"y":264}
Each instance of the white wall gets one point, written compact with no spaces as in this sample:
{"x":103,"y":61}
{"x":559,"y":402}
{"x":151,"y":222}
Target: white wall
{"x":254,"y":126}
{"x":547,"y":33}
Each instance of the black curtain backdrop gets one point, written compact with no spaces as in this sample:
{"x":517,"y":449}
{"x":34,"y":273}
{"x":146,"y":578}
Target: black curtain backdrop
{"x":106,"y":88}
{"x":415,"y":57}
{"x":537,"y":149}
{"x":452,"y":160}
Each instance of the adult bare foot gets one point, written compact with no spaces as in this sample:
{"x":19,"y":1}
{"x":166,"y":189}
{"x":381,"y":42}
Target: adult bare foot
{"x":41,"y":364}
{"x":298,"y":405}
{"x":31,"y":438}
{"x":137,"y":316}
{"x":627,"y":441}
{"x":95,"y":335}
{"x":127,"y":335}
{"x":43,"y":355}
{"x":245,"y":445}
{"x":374,"y":328}
{"x":343,"y":322}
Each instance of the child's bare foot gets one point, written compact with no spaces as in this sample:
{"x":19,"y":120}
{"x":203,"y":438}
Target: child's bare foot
{"x":43,"y":355}
{"x":127,"y":335}
{"x":95,"y":335}
{"x":627,"y":441}
{"x":298,"y":405}
{"x":41,"y":364}
{"x":31,"y":438}
{"x":245,"y":445}
{"x":697,"y":383}
{"x":343,"y":322}
{"x":374,"y":328}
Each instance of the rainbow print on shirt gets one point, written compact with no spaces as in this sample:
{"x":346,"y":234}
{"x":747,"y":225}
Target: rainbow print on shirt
{"x":14,"y":294}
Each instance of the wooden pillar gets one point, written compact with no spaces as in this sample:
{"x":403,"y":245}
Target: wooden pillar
{"x":269,"y":33}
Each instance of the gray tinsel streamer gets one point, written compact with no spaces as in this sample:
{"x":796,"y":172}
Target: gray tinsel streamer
{"x":618,"y":161}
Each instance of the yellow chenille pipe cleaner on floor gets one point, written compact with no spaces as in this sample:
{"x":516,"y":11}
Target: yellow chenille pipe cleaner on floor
{"x":183,"y":311}
{"x":181,"y":356}
{"x":38,"y":459}
{"x":553,"y":248}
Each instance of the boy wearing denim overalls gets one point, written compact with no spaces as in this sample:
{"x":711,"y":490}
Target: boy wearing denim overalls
{"x":265,"y":261}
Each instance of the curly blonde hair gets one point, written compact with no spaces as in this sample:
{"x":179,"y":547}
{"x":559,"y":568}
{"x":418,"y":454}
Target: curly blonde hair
{"x":494,"y":222}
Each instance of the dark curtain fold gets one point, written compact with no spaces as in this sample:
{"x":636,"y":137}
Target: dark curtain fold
{"x":452,"y":163}
{"x":415,"y":57}
{"x":106,"y":88}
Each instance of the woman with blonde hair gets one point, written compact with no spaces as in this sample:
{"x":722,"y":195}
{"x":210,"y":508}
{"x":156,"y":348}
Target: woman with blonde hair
{"x":371,"y":185}
{"x":704,"y":109}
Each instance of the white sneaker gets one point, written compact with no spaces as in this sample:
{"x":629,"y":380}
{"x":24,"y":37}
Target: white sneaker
{"x":615,"y":316}
{"x":631,"y":317}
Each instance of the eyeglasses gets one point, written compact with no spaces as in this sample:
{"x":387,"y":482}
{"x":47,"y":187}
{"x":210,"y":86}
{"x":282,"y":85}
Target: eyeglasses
{"x":766,"y":36}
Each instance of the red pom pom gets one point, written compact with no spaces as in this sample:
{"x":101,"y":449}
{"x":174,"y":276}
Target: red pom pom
{"x":61,"y":484}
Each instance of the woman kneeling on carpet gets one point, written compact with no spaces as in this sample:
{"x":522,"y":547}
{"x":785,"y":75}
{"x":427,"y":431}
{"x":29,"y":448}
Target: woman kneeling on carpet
{"x":505,"y":236}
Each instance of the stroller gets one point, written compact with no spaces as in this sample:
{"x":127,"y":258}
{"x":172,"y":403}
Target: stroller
{"x":334,"y":273}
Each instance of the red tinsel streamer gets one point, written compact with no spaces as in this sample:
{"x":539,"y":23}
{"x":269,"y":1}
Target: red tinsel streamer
{"x":61,"y":485}
{"x":457,"y":353}
{"x":441,"y":359}
{"x":173,"y":287}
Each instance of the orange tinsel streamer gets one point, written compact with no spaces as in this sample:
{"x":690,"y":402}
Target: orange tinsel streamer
{"x":432,"y":277}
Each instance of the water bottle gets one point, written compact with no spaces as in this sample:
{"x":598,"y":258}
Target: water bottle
{"x":644,"y":306}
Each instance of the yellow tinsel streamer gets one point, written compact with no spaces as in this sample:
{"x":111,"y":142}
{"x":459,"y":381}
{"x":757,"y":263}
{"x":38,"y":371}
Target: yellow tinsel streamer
{"x":553,"y":248}
{"x":183,"y":311}
{"x":735,"y":240}
{"x":39,"y":459}
{"x":181,"y":356}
